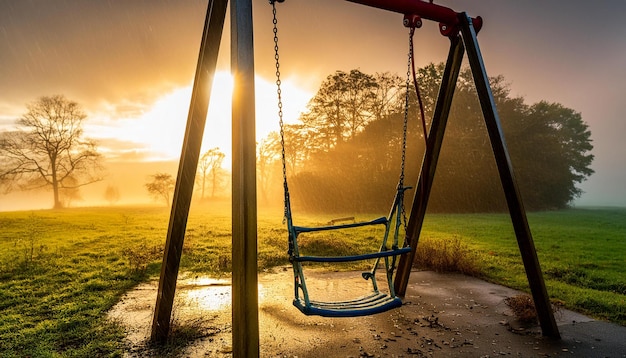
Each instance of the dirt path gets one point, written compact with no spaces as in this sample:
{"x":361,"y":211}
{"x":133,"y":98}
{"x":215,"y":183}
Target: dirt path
{"x":444,"y":315}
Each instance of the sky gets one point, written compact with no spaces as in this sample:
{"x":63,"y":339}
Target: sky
{"x":130,"y":64}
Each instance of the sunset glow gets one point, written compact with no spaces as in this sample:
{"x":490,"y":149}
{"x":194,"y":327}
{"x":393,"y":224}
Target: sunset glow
{"x":156,"y":134}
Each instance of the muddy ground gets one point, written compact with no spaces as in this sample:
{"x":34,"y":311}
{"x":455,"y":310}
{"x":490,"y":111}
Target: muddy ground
{"x":444,"y":315}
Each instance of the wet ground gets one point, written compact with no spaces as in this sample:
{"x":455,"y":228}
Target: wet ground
{"x":444,"y":315}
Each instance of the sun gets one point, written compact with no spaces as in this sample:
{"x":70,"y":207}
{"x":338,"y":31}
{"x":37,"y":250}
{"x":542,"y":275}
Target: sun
{"x":158,"y":131}
{"x":167,"y":119}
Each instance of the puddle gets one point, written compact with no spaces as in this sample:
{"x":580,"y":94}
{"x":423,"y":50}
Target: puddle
{"x":202,"y":305}
{"x":205,"y":294}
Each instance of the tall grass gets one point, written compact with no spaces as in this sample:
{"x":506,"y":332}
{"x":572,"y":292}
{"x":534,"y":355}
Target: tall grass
{"x":61,"y":271}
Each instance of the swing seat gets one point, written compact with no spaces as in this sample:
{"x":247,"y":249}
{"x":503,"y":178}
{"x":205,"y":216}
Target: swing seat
{"x":373,"y":255}
{"x":390,"y":247}
{"x":373,"y":303}
{"x":379,"y":221}
{"x":300,"y":229}
{"x":364,"y":306}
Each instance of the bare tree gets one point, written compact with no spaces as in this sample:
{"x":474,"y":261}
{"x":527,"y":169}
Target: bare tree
{"x":209,"y":169}
{"x":48,"y":150}
{"x":161,"y":187}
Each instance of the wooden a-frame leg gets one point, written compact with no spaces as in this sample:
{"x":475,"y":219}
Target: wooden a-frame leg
{"x":196,"y":119}
{"x":509,"y":184}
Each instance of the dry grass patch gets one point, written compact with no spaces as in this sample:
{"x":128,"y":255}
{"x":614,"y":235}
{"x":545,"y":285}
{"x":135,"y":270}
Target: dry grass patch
{"x":447,"y":255}
{"x":523,"y":307}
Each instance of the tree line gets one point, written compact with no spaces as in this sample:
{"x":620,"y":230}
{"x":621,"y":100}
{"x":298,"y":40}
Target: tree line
{"x":344,"y":154}
{"x":48,"y":150}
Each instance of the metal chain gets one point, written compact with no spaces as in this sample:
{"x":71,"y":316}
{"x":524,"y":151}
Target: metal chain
{"x":406,"y":108}
{"x":280,"y":108}
{"x":406,"y":121}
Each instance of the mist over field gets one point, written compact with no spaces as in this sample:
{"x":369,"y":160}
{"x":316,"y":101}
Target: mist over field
{"x":128,"y":178}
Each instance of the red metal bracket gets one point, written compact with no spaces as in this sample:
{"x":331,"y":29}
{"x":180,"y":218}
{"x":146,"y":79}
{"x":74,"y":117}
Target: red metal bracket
{"x":412,"y":21}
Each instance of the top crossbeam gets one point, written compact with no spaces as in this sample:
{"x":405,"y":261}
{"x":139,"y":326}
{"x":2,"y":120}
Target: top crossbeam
{"x":426,"y":10}
{"x":448,"y":19}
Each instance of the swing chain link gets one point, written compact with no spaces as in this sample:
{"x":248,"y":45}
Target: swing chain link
{"x":280,"y":107}
{"x":405,"y":124}
{"x":406,"y":112}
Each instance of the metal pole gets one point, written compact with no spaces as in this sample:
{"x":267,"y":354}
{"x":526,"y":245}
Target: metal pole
{"x":429,"y":164}
{"x":207,"y":60}
{"x":511,"y":191}
{"x":245,"y":281}
{"x":426,"y":10}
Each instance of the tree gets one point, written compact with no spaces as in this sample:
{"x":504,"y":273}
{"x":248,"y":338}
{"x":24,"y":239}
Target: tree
{"x":336,"y":152}
{"x":342,"y":106}
{"x":48,"y":150}
{"x":112,"y":194}
{"x":69,"y":194}
{"x":209,"y":169}
{"x":161,"y":187}
{"x":562,"y":133}
{"x":389,"y":97}
{"x":268,"y":164}
{"x":549,"y":146}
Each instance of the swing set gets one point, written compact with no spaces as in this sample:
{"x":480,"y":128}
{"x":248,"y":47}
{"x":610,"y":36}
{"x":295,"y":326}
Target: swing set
{"x":397,"y":254}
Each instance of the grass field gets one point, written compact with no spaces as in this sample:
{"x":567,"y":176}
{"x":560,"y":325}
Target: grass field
{"x":60,"y":271}
{"x":582,"y":254}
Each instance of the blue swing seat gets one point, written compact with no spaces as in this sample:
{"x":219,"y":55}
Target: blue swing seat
{"x":374,"y":302}
{"x":374,"y":255}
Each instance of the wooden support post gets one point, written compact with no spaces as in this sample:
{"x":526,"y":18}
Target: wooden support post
{"x":245,"y":281}
{"x":429,"y":164}
{"x":196,"y":119}
{"x":509,"y":184}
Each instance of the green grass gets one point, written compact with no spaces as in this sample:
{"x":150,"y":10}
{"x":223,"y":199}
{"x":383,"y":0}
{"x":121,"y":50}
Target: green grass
{"x":582,"y":253}
{"x":61,"y":271}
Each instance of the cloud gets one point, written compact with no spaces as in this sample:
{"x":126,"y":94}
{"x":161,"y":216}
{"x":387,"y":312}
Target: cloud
{"x":97,"y":50}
